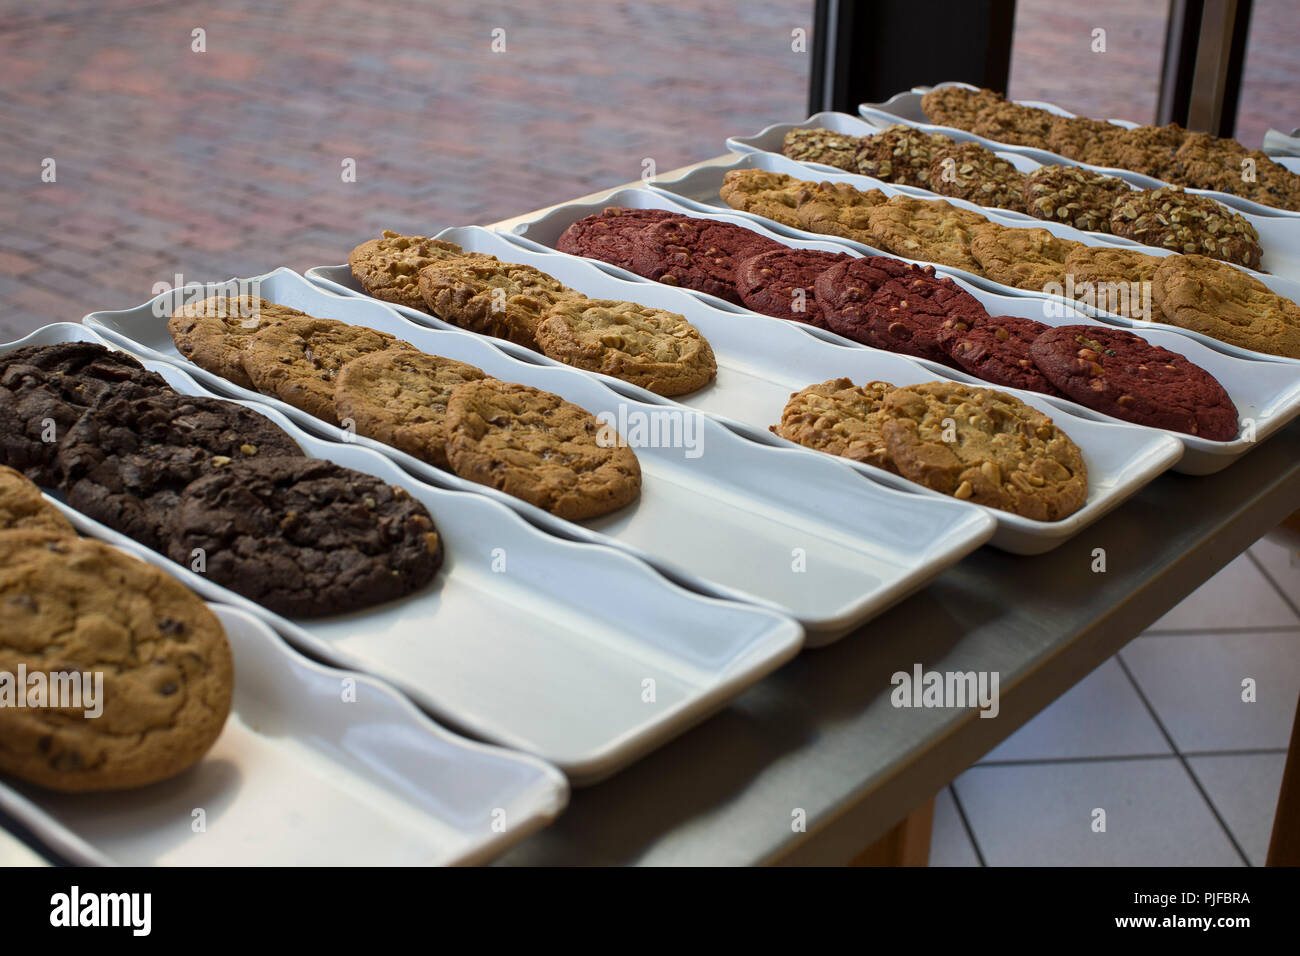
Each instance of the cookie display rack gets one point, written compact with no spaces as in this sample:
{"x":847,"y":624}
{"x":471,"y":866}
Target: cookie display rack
{"x":906,"y":108}
{"x":1265,"y":393}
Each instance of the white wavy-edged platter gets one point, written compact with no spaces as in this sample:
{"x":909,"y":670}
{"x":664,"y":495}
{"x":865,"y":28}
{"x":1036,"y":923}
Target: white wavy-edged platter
{"x":906,"y":108}
{"x":1267,"y":394}
{"x":761,"y":360}
{"x":1279,"y":236}
{"x":302,"y":777}
{"x":722,"y":517}
{"x":698,"y":191}
{"x":522,"y":638}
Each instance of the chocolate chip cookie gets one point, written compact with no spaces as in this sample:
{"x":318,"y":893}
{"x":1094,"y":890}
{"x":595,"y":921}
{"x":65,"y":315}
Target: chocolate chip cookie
{"x":126,"y":462}
{"x":835,"y":209}
{"x":1023,"y":258}
{"x":388,"y":267}
{"x":1169,"y":218}
{"x":212,"y":333}
{"x":24,"y":508}
{"x":399,"y":397}
{"x":839,"y":418}
{"x":44,"y":389}
{"x":977,"y":174}
{"x":305,"y":537}
{"x":297,"y":360}
{"x":77,"y":606}
{"x":539,"y":448}
{"x":1124,"y":375}
{"x":782,"y":283}
{"x":1074,"y":196}
{"x":485,"y":295}
{"x":653,"y":348}
{"x":984,"y":446}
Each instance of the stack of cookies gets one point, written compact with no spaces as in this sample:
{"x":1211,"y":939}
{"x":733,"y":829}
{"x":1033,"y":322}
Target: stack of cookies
{"x":976,"y":444}
{"x":1210,"y":296}
{"x":520,"y":440}
{"x":210,"y":483}
{"x":1168,"y":218}
{"x":1170,"y":153}
{"x":653,"y":348}
{"x":151,"y":654}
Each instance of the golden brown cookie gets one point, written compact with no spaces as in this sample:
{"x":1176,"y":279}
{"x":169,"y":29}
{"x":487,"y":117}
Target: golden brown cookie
{"x":538,"y":447}
{"x":929,"y":230}
{"x":24,"y":508}
{"x":839,"y":418}
{"x":297,"y":360}
{"x":399,"y":397}
{"x":483,"y":294}
{"x":654,"y":348}
{"x":977,"y":174}
{"x":212,"y":333}
{"x":832,"y":208}
{"x":388,"y":267}
{"x":1024,"y":258}
{"x":77,"y":606}
{"x":1221,"y":301}
{"x":1113,"y":280}
{"x":1169,"y":218}
{"x":984,"y":446}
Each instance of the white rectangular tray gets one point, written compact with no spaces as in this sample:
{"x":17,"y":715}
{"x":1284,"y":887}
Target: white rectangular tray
{"x":725,"y":522}
{"x":547,"y":652}
{"x":762,"y":360}
{"x":300,"y":778}
{"x":906,"y":108}
{"x":1279,"y":236}
{"x":698,"y":190}
{"x":1267,"y":394}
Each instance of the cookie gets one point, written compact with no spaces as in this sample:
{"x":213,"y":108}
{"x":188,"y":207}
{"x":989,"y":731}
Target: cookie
{"x":930,"y":230}
{"x":1023,"y":258}
{"x":900,"y":154}
{"x":986,"y":447}
{"x":126,"y":462}
{"x":24,"y":508}
{"x":957,"y":106}
{"x":483,"y":294}
{"x":852,"y":283}
{"x":388,"y":267}
{"x":297,"y":360}
{"x":1112,"y":280}
{"x":1221,"y":301}
{"x":305,"y":537}
{"x":1012,"y":123}
{"x":977,"y":174}
{"x":839,"y":418}
{"x":996,"y":349}
{"x":1124,"y":375}
{"x":771,"y":195}
{"x":539,"y":448}
{"x":907,"y":313}
{"x":1274,"y":184}
{"x":1085,"y":140}
{"x":699,"y":254}
{"x":653,"y":348}
{"x":835,"y":209}
{"x":1169,"y":218}
{"x":1204,"y":161}
{"x":212,"y":333}
{"x":821,"y":146}
{"x":609,"y":235}
{"x":1148,"y":149}
{"x":44,"y":389}
{"x":1074,"y":196}
{"x":399,"y":397}
{"x":77,"y":606}
{"x":782,"y":283}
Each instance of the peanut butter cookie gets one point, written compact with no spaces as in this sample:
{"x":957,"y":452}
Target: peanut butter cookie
{"x":388,"y":267}
{"x":1023,"y":258}
{"x":483,"y":294}
{"x":839,"y":418}
{"x":212,"y":333}
{"x":929,"y":230}
{"x":24,"y":508}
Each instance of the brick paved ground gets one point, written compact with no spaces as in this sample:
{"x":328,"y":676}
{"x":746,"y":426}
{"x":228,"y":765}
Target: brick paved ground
{"x":228,"y":162}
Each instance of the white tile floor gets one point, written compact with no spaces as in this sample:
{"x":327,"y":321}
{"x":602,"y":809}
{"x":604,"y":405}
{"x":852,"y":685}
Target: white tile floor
{"x":1159,"y":738}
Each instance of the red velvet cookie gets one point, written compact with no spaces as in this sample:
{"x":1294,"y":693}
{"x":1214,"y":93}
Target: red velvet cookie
{"x":610,"y":235}
{"x":996,"y":348}
{"x":698,"y":254}
{"x":782,"y":282}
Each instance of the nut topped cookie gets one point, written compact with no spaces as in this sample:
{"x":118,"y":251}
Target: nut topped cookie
{"x":539,"y":448}
{"x":831,"y":208}
{"x":1124,"y":375}
{"x":388,"y":267}
{"x":900,"y":154}
{"x":1086,"y":140}
{"x":212,"y":333}
{"x":839,"y":418}
{"x":986,"y":447}
{"x":821,"y":146}
{"x":77,"y":606}
{"x":399,"y":397}
{"x":24,"y":508}
{"x":1007,"y":122}
{"x":297,"y":360}
{"x":972,"y":172}
{"x":1169,"y":218}
{"x":653,"y":348}
{"x":1074,"y":196}
{"x":957,"y":106}
{"x":483,"y":294}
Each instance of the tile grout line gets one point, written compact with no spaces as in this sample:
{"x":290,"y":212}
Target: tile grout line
{"x":1105,"y":758}
{"x":1196,"y":632}
{"x":965,"y":823}
{"x":1286,"y":598}
{"x":1196,"y":782}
